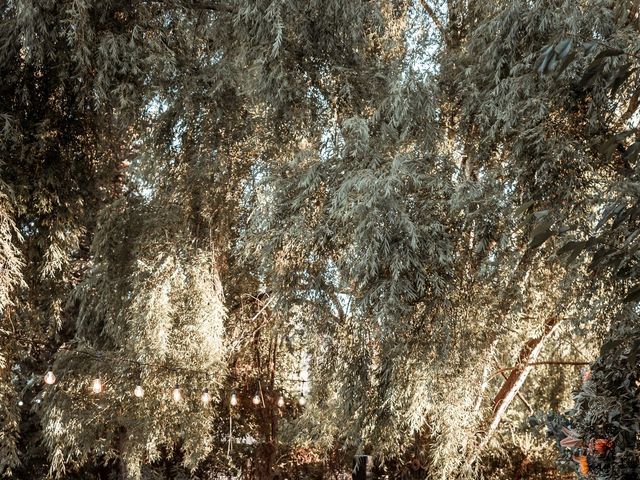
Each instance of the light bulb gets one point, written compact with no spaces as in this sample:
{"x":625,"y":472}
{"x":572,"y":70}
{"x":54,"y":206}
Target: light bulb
{"x":234,"y":399}
{"x":280,"y":401}
{"x":96,"y":386}
{"x":176,"y":394}
{"x":256,"y":399}
{"x":302,"y":401}
{"x":138,"y":391}
{"x":49,"y":378}
{"x":38,"y":401}
{"x":20,"y":403}
{"x":206,"y":396}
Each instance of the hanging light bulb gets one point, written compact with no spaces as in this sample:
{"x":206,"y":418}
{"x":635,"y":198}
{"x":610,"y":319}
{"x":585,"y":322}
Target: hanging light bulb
{"x":176,"y":394}
{"x":206,"y":396}
{"x":49,"y":378}
{"x":280,"y":401}
{"x":138,"y":391}
{"x":234,"y":399}
{"x":256,"y":398}
{"x":302,"y":400}
{"x":96,"y":386}
{"x":20,"y":403}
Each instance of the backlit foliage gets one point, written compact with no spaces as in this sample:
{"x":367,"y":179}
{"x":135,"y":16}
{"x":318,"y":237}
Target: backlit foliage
{"x":429,"y":207}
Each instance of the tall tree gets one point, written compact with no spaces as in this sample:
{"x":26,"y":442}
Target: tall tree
{"x":58,"y":170}
{"x":430,"y":206}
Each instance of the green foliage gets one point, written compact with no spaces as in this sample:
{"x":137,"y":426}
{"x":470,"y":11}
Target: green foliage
{"x":417,"y":202}
{"x":607,"y":408}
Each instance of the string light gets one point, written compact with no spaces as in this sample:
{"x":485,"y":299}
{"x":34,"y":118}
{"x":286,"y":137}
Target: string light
{"x":20,"y":403}
{"x":176,"y":394}
{"x":206,"y":396}
{"x":49,"y":378}
{"x":138,"y":391}
{"x":96,"y":386}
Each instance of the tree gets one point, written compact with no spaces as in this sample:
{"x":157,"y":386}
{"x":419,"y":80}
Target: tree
{"x":58,"y":170}
{"x":391,"y":195}
{"x":471,"y":262}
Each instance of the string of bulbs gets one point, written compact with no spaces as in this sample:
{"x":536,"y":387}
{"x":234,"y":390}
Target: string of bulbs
{"x":176,"y":394}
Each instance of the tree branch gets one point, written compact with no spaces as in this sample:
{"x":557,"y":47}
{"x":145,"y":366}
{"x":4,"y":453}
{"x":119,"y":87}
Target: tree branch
{"x":432,"y":14}
{"x":527,"y":359}
{"x":533,"y":364}
{"x":520,"y":396}
{"x":511,"y":387}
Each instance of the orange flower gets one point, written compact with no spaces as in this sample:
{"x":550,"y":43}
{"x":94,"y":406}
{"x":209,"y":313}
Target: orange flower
{"x":584,"y":464}
{"x":600,"y":446}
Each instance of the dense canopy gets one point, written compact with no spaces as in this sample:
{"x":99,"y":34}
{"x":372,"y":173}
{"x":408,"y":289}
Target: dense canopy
{"x":308,"y":230}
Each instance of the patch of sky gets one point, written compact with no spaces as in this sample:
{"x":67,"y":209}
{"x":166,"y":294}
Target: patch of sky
{"x":423,"y":39}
